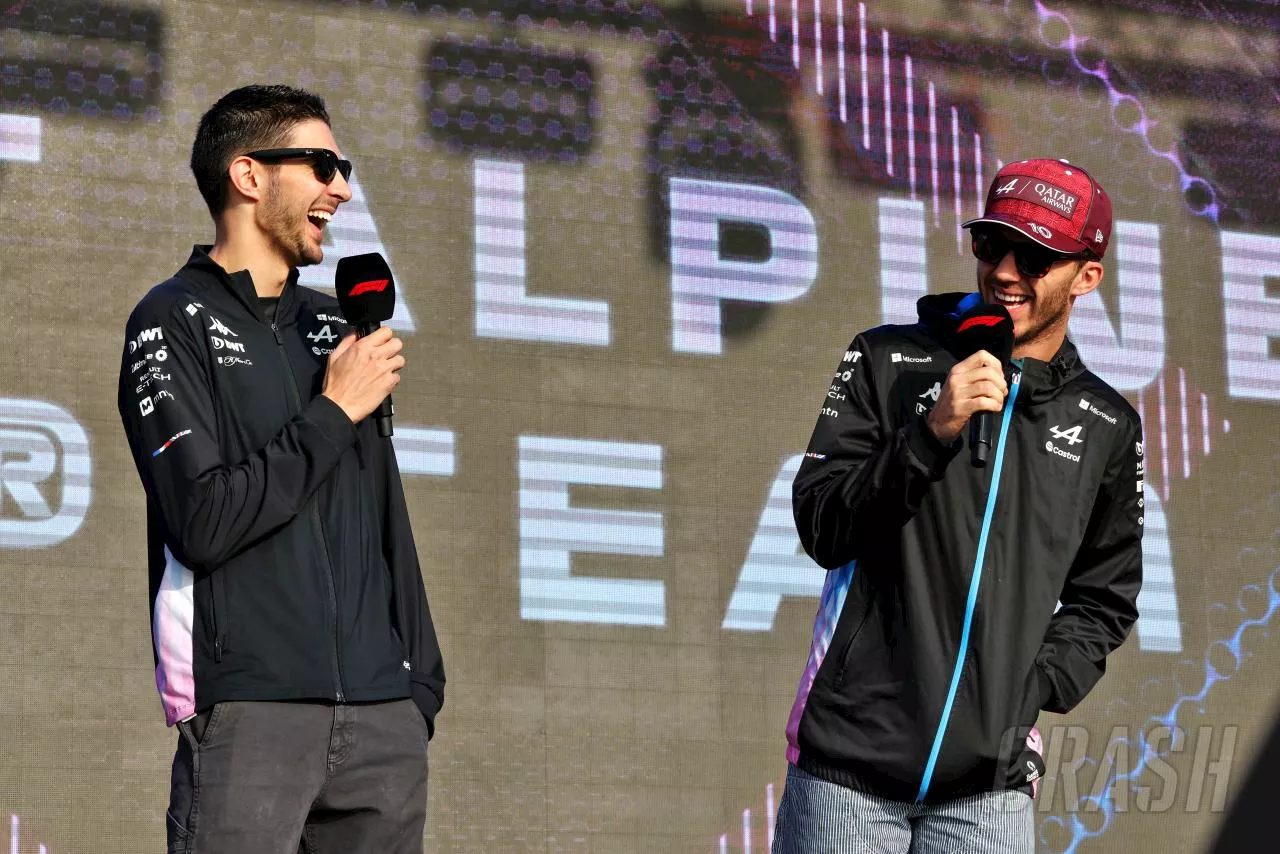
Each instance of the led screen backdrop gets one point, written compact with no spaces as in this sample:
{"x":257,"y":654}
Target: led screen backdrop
{"x":631,"y":241}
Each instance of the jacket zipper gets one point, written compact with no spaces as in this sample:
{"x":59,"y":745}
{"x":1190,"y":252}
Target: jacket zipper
{"x":974,"y":583}
{"x":324,"y":541}
{"x":215,"y":579}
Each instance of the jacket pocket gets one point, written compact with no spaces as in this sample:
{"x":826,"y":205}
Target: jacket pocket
{"x":218,"y":582}
{"x":1030,"y":699}
{"x":847,"y":647}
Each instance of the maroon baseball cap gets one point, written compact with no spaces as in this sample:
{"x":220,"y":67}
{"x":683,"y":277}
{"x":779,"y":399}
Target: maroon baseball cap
{"x":1053,"y":202}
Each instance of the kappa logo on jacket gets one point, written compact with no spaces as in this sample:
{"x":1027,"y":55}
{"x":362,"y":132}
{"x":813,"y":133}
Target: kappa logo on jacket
{"x":221,"y":328}
{"x":931,"y":394}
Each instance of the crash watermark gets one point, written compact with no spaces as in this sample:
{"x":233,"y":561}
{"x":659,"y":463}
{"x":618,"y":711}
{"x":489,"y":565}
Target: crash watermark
{"x":1126,"y":769}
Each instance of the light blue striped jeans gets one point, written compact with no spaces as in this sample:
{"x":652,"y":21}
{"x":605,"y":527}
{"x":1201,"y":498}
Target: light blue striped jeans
{"x":817,"y":817}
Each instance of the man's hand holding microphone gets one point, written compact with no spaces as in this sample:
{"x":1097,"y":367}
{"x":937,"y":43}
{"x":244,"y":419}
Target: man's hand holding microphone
{"x":362,"y":372}
{"x":366,"y":365}
{"x":974,"y":385}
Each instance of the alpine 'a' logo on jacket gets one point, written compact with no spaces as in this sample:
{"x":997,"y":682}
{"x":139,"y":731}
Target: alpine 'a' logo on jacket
{"x":1072,"y":436}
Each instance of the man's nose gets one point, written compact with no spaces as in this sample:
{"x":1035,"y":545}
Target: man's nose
{"x":340,"y":188}
{"x":1007,"y":269}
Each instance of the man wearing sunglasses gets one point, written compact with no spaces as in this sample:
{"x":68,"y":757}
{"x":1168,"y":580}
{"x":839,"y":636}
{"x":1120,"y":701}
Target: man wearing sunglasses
{"x":961,"y":599}
{"x":294,"y":648}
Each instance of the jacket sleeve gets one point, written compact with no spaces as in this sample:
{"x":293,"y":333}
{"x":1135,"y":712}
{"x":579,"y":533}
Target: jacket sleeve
{"x":212,"y":508}
{"x":413,"y":614}
{"x":1099,"y":601}
{"x":863,"y":474}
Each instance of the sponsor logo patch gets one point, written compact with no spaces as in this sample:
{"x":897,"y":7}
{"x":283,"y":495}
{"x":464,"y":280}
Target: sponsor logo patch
{"x":160,"y":450}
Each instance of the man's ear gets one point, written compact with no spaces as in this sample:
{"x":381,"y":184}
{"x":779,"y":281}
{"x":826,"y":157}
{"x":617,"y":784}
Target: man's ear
{"x":1087,"y":278}
{"x":246,"y":180}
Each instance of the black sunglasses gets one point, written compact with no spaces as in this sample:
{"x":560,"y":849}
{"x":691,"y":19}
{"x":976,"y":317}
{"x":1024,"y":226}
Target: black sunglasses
{"x":324,"y":163}
{"x":1032,"y":260}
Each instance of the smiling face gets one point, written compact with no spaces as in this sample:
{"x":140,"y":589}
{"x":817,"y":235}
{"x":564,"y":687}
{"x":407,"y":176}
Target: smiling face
{"x":296,"y":206}
{"x":1040,"y":307}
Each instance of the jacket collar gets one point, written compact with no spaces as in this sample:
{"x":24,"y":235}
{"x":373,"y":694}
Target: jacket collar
{"x":240,"y":284}
{"x":1042,"y":381}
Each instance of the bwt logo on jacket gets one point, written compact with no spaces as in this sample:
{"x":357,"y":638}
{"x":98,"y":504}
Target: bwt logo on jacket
{"x":44,"y":456}
{"x":146,"y":336}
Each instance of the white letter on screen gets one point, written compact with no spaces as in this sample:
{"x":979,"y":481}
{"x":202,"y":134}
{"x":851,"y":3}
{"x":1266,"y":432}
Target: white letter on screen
{"x":20,"y":138}
{"x":701,"y":278}
{"x":42,"y":445}
{"x":1252,"y":317}
{"x":354,"y":232}
{"x":776,"y":566}
{"x":421,"y":450}
{"x":1130,"y":359}
{"x":551,"y":531}
{"x":504,"y":308}
{"x":1158,"y":627}
{"x":904,"y":260}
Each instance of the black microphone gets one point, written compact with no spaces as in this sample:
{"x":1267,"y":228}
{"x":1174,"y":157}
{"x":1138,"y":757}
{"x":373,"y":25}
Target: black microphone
{"x":367,"y":295}
{"x":984,"y":327}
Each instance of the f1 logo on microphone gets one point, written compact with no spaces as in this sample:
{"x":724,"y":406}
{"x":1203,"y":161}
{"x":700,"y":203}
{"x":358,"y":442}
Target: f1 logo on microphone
{"x":981,"y":320}
{"x":44,"y":457}
{"x":371,"y":286}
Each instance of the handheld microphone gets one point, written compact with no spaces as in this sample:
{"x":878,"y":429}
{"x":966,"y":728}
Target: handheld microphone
{"x":984,"y":327}
{"x":367,"y":296}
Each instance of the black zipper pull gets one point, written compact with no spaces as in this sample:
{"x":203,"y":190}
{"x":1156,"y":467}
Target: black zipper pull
{"x":275,"y":330}
{"x":217,"y":650}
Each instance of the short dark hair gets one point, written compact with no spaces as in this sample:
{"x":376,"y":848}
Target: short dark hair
{"x":246,"y":119}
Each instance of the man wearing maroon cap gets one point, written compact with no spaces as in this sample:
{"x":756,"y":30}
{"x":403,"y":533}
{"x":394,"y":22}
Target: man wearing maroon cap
{"x":1040,"y":244}
{"x":961,"y":599}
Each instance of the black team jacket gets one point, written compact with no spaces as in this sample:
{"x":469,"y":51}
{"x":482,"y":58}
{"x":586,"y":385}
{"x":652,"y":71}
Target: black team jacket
{"x":282,"y":565}
{"x":939,"y":637}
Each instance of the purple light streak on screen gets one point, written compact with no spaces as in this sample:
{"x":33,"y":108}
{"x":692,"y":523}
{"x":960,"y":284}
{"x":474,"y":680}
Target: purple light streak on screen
{"x":955,"y":174}
{"x":770,"y":814}
{"x":978,"y":182}
{"x":933,"y":150}
{"x":770,"y":819}
{"x":911,"y":129}
{"x":795,"y":33}
{"x":1212,"y":209}
{"x":1164,"y":442}
{"x":866,"y":107}
{"x":817,"y":43}
{"x":749,"y":12}
{"x":1204,"y":421}
{"x":773,"y":20}
{"x":844,"y":97}
{"x":888,"y":104}
{"x":15,"y":827}
{"x":1186,"y":444}
{"x":1157,"y":442}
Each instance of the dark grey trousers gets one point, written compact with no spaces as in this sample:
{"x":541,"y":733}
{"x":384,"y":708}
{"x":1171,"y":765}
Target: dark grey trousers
{"x":300,"y":778}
